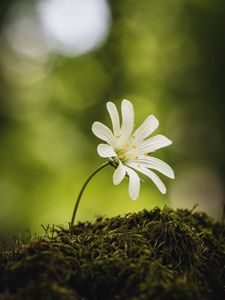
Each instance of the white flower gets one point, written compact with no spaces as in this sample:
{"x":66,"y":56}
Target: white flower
{"x":129,"y":151}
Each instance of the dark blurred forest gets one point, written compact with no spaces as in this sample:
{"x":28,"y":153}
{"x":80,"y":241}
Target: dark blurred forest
{"x":167,"y":57}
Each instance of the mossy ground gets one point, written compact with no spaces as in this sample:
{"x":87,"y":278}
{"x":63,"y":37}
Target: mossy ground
{"x":158,"y":254}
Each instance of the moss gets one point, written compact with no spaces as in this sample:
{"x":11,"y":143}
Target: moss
{"x":158,"y":254}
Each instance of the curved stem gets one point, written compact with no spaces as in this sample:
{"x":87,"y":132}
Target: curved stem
{"x":82,"y":190}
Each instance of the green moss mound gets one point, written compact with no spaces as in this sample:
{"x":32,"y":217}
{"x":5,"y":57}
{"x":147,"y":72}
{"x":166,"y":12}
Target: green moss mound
{"x":158,"y":254}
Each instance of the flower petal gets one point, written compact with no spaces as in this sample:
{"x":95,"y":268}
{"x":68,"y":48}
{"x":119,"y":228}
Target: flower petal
{"x":103,"y":132}
{"x":127,"y":111}
{"x":155,"y":178}
{"x":156,"y":164}
{"x":148,"y":127}
{"x":105,"y":150}
{"x":114,"y":115}
{"x":153,"y":144}
{"x":119,"y":174}
{"x":134,"y":183}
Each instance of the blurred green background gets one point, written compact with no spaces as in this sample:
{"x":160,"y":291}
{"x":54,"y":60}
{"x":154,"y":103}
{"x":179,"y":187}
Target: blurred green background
{"x":61,"y":61}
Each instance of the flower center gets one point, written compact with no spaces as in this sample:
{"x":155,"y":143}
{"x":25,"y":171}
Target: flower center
{"x":121,"y":153}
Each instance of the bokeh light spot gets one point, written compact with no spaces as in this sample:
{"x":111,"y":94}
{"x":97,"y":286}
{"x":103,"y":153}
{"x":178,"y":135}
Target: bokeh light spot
{"x":22,"y":31}
{"x":74,"y":27}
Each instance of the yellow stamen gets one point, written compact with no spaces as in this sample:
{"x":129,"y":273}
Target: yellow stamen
{"x":146,"y":154}
{"x":117,"y":136}
{"x":134,"y":146}
{"x":133,"y":137}
{"x":127,"y":145}
{"x":121,"y":156}
{"x":136,"y":156}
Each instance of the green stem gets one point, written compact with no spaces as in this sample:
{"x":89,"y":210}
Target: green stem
{"x":82,"y":190}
